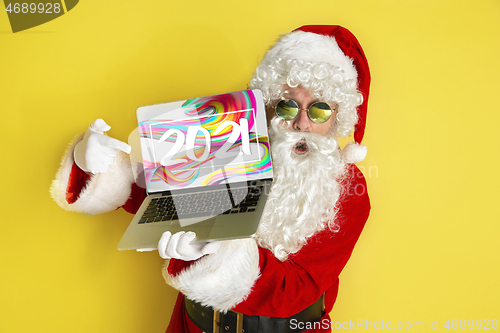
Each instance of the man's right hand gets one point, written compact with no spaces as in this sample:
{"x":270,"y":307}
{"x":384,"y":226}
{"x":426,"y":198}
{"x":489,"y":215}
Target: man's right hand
{"x":97,"y":151}
{"x":181,"y":246}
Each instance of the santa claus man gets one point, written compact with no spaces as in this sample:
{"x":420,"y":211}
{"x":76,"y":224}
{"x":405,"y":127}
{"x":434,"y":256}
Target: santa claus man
{"x":315,"y":82}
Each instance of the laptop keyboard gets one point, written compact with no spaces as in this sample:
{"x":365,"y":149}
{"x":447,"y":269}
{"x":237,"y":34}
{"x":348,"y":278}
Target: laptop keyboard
{"x":210,"y":203}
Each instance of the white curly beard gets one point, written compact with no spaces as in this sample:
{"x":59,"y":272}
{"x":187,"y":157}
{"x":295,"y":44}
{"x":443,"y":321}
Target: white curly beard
{"x":303,"y":196}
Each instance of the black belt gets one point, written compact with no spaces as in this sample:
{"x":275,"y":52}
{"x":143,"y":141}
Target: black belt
{"x":211,"y":321}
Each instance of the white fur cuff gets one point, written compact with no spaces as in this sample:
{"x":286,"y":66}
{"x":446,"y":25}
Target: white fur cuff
{"x":104,"y":192}
{"x":220,"y":280}
{"x":354,"y":152}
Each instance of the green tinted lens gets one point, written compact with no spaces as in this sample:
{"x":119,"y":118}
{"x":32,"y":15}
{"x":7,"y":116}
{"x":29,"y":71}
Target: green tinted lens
{"x":320,"y":112}
{"x":287,"y":109}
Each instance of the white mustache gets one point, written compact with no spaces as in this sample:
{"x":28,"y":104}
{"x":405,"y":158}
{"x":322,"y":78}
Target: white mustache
{"x":315,"y":142}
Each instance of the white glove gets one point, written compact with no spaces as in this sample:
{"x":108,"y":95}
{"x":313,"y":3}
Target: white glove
{"x":96,"y":152}
{"x":178,"y":246}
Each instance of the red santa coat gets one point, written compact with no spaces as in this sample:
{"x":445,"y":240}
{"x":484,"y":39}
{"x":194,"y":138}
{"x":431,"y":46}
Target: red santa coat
{"x":276,"y":288}
{"x":285,"y":288}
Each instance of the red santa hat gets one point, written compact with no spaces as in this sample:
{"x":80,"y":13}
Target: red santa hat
{"x":337,"y":47}
{"x":351,"y":49}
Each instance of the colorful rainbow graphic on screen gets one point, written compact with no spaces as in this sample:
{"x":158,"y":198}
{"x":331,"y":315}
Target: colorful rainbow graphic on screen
{"x":214,"y":119}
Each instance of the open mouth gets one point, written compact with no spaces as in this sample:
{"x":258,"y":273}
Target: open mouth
{"x":300,"y":147}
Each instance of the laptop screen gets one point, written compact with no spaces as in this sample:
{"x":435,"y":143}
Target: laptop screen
{"x":204,"y":141}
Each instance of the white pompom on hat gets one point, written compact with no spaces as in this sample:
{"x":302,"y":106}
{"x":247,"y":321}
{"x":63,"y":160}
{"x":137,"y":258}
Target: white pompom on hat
{"x":336,"y":46}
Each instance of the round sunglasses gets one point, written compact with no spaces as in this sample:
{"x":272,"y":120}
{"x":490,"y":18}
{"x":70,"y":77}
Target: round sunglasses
{"x":318,"y":112}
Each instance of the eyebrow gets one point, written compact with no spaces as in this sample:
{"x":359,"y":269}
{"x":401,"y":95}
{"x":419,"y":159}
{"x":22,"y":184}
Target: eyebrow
{"x":293,"y":95}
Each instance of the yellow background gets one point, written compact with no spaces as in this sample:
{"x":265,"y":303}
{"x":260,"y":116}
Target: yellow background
{"x":430,"y":249}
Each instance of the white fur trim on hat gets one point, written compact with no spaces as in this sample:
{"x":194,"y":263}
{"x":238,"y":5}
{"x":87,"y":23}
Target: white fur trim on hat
{"x":354,"y":152}
{"x":220,"y":280}
{"x":313,"y":48}
{"x":104,"y":192}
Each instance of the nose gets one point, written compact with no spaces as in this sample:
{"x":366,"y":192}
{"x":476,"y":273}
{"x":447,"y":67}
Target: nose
{"x":302,"y":122}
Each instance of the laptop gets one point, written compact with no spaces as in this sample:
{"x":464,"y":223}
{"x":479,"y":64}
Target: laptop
{"x":206,"y":168}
